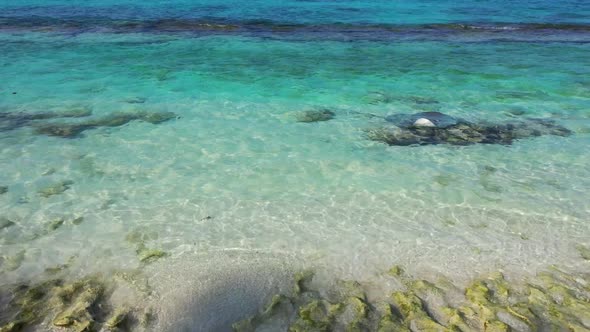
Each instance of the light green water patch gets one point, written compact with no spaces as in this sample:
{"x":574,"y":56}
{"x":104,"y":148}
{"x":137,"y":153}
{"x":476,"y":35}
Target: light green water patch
{"x":235,"y":68}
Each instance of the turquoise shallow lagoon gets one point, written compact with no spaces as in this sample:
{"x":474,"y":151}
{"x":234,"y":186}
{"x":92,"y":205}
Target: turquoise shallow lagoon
{"x":234,"y":184}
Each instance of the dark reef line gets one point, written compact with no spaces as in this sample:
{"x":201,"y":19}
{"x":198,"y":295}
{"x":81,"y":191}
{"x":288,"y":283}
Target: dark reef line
{"x":504,"y":31}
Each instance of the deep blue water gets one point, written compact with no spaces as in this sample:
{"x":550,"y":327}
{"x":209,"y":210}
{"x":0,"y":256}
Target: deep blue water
{"x":315,"y":11}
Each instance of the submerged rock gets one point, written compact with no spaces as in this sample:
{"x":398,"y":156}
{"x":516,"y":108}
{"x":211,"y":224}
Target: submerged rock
{"x":55,"y":189}
{"x":147,"y":255}
{"x":437,"y":119}
{"x":55,"y":224}
{"x":14,"y":120}
{"x":71,"y":130}
{"x":5,"y":223}
{"x":315,"y":116}
{"x":3,"y":190}
{"x":437,"y":128}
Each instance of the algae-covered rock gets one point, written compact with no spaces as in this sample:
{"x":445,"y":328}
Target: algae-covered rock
{"x":78,"y":305}
{"x":396,"y":271}
{"x":55,"y":189}
{"x":147,"y":255}
{"x":315,"y":115}
{"x":318,"y":315}
{"x":279,"y":304}
{"x":355,"y":315}
{"x":551,"y":301}
{"x":302,"y":280}
{"x":389,"y":321}
{"x":346,"y":289}
{"x":3,"y":190}
{"x":12,"y":327}
{"x":117,"y":318}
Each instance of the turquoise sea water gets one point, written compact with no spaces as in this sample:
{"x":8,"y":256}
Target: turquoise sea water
{"x":234,"y":184}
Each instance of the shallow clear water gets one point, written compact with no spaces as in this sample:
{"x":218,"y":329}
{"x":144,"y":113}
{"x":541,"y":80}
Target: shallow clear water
{"x":236,"y":172}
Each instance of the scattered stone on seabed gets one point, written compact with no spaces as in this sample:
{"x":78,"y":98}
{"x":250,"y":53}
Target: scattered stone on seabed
{"x":78,"y":220}
{"x":55,"y":189}
{"x":55,"y":224}
{"x":315,"y":115}
{"x":5,"y":223}
{"x":3,"y":190}
{"x":71,"y":130}
{"x":552,"y":301}
{"x":135,"y":100}
{"x":427,"y":128}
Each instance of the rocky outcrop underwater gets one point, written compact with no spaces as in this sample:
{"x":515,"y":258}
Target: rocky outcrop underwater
{"x":427,"y":128}
{"x":72,"y":129}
